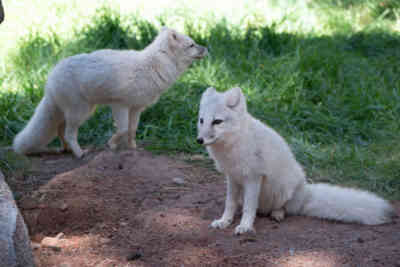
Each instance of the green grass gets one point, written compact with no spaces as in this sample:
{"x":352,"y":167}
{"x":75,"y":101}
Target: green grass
{"x":326,"y":76}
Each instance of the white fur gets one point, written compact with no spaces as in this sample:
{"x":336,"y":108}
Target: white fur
{"x":128,"y":80}
{"x":36,"y":133}
{"x":260,"y":166}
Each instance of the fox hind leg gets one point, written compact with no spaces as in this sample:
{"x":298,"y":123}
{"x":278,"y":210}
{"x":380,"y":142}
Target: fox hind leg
{"x":278,"y":215}
{"x":74,"y":119}
{"x":121,"y":121}
{"x":61,"y":135}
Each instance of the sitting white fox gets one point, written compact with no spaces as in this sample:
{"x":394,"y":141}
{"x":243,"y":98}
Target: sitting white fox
{"x":258,"y":162}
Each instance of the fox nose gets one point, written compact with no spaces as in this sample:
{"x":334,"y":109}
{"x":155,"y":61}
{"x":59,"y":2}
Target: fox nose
{"x":205,"y":51}
{"x":200,"y":141}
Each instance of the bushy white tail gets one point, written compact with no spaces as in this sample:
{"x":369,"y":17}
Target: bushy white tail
{"x":40,"y":130}
{"x":343,"y":204}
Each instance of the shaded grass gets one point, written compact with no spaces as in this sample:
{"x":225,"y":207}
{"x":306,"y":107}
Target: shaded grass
{"x":335,"y":98}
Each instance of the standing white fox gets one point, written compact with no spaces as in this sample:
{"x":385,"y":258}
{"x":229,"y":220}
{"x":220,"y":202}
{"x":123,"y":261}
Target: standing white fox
{"x":258,"y":162}
{"x":128,"y":80}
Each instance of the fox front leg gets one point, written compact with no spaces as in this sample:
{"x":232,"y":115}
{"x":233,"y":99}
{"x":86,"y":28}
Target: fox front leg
{"x":61,"y":135}
{"x":231,"y":203}
{"x":251,"y":190}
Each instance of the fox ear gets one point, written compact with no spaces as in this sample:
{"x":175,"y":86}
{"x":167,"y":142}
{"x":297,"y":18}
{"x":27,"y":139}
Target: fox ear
{"x":234,"y":97}
{"x":210,"y":91}
{"x":173,"y":39}
{"x":173,"y":35}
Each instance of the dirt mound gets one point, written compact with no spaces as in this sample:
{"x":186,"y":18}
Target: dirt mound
{"x":133,"y":208}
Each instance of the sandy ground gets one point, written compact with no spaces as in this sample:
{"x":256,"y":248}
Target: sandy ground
{"x":134,"y":208}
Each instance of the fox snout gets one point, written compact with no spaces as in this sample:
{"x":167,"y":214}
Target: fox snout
{"x":203,"y":51}
{"x":205,"y":139}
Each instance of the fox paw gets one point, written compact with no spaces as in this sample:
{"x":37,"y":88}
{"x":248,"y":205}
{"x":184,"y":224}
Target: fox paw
{"x":112,"y":145}
{"x":241,"y":229}
{"x":132,"y":144}
{"x":81,"y":153}
{"x":220,"y":224}
{"x":278,"y":215}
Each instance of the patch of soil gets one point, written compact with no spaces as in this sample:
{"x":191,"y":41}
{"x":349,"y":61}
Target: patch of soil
{"x":133,"y":208}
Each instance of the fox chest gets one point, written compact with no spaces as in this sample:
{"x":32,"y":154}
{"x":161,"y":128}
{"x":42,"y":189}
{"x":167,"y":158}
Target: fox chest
{"x":237,"y":167}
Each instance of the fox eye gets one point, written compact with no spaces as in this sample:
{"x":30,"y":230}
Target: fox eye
{"x":216,"y":122}
{"x":201,"y":120}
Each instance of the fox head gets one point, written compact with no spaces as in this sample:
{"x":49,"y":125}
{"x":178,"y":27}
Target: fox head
{"x":220,"y":115}
{"x":181,"y":48}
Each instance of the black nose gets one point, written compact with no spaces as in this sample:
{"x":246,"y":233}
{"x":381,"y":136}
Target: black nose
{"x":200,"y":141}
{"x":205,"y":51}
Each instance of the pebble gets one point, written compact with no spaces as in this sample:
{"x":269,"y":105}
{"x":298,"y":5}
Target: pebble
{"x":178,"y":180}
{"x":59,"y":235}
{"x":197,"y":157}
{"x":51,"y":242}
{"x":64,"y":207}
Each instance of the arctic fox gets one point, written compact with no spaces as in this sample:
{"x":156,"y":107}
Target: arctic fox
{"x":128,"y":80}
{"x":259,"y":163}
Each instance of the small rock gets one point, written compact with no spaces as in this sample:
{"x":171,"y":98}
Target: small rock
{"x":35,"y":245}
{"x":178,"y":180}
{"x":51,"y":242}
{"x":59,"y":235}
{"x":64,"y":207}
{"x":197,"y":157}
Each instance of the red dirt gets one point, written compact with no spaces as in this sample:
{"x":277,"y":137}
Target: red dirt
{"x":124,"y":209}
